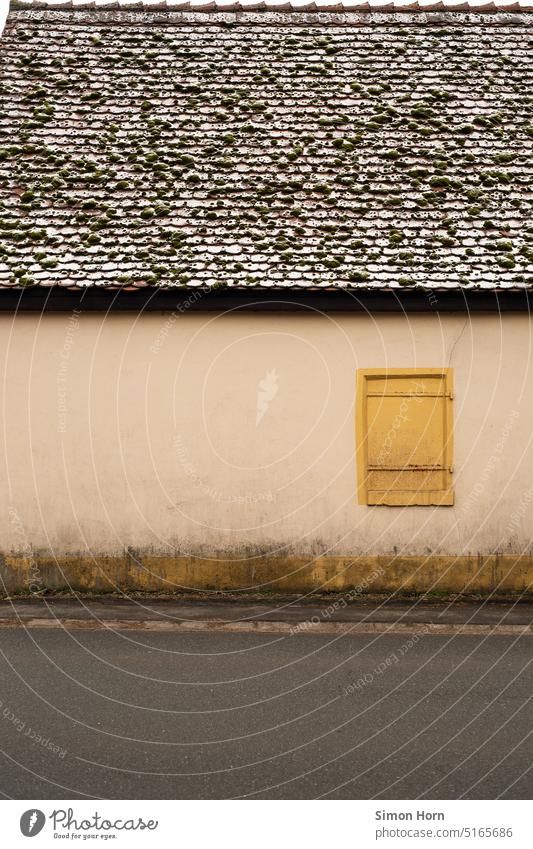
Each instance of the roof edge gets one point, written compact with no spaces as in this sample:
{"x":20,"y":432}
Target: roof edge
{"x":183,"y":300}
{"x":293,"y":6}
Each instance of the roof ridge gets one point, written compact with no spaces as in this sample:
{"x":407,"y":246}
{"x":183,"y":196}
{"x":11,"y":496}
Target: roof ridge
{"x":333,"y":6}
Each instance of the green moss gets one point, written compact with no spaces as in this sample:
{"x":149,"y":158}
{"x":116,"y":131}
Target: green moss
{"x":504,"y":245}
{"x":27,"y":196}
{"x":357,"y":275}
{"x":396,"y":237}
{"x":506,"y":261}
{"x":418,"y":172}
{"x":321,"y":188}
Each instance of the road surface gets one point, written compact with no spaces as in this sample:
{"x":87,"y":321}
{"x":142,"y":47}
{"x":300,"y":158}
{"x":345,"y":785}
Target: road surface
{"x":140,"y":714}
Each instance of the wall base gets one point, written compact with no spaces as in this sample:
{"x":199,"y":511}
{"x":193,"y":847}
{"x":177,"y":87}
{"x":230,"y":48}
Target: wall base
{"x":386,"y":573}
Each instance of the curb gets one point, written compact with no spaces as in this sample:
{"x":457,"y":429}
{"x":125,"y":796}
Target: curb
{"x":267,"y":627}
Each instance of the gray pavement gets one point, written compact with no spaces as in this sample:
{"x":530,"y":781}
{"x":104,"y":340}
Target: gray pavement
{"x":335,"y":609}
{"x":137,"y":714}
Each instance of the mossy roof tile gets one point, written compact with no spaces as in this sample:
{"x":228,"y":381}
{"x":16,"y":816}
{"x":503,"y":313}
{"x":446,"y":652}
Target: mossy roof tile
{"x":266,"y":148}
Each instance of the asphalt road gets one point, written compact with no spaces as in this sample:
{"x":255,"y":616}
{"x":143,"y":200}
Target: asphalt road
{"x":153,"y":715}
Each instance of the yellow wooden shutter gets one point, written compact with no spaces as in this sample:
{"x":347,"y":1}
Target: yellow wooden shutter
{"x":404,"y":436}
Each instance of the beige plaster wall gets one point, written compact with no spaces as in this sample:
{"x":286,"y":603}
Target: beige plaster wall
{"x":142,"y":431}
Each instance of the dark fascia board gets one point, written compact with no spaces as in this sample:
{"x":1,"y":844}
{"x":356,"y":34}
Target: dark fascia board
{"x":154,"y":299}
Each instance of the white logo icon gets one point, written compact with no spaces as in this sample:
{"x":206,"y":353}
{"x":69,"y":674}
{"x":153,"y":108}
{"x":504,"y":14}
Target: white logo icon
{"x":32,"y":822}
{"x":267,"y":391}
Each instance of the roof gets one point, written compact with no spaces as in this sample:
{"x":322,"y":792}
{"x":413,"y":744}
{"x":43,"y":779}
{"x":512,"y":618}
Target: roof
{"x":286,"y":5}
{"x":266,"y":148}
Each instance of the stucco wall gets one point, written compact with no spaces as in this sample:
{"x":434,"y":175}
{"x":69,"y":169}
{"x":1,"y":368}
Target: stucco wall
{"x":142,"y":432}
